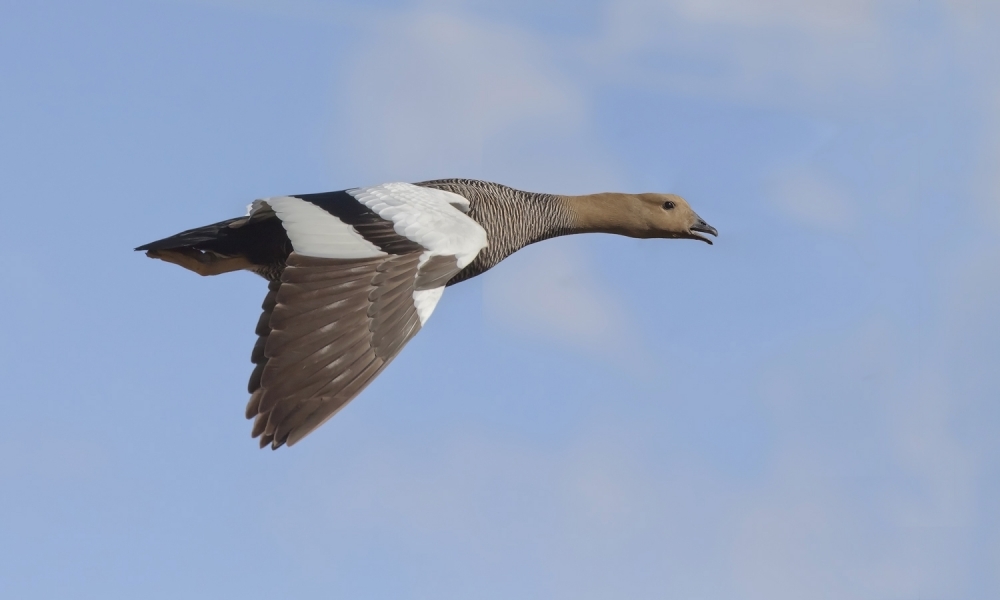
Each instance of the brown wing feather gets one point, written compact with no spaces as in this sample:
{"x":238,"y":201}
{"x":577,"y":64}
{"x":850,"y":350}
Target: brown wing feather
{"x":328,"y":328}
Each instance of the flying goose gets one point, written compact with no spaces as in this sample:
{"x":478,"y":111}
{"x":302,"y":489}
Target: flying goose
{"x":354,"y":274}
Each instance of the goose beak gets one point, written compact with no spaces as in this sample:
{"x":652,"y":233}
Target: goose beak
{"x":703,"y":227}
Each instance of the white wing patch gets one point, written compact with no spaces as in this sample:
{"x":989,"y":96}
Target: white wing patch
{"x":426,"y":301}
{"x":427,"y":217}
{"x":432,"y":218}
{"x":315,"y":232}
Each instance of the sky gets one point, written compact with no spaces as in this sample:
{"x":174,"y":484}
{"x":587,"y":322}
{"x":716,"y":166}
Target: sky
{"x":810,"y":408}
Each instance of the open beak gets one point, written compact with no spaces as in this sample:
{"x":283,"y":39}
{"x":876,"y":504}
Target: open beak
{"x":703,"y":227}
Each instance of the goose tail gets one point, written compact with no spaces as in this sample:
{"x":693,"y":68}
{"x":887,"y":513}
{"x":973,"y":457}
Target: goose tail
{"x":200,"y":238}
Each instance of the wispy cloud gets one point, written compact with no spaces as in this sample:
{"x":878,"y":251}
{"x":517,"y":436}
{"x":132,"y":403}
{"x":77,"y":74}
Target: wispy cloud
{"x":427,"y":91}
{"x":777,"y":53}
{"x":550,"y":292}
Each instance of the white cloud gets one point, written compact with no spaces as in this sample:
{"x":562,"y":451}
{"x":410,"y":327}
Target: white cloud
{"x":775,"y":52}
{"x":426,"y":91}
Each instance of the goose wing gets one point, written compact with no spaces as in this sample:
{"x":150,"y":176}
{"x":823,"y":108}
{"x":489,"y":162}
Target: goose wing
{"x":368,"y":267}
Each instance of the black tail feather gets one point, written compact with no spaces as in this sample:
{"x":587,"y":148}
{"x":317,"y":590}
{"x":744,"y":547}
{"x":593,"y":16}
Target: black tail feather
{"x":200,"y":238}
{"x":261,"y":240}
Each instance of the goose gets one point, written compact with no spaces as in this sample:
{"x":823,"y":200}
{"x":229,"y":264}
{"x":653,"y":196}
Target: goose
{"x":353,"y":275}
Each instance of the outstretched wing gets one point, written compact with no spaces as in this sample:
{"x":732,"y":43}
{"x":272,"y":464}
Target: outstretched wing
{"x":367,"y":269}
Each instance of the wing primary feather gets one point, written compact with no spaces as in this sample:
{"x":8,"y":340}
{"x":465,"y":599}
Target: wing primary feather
{"x":254,"y":403}
{"x":283,"y":320}
{"x":257,"y":355}
{"x":358,"y":364}
{"x":258,"y":372}
{"x":294,"y":383}
{"x":258,"y":425}
{"x":436,"y":272}
{"x":411,"y":329}
{"x":329,"y":409}
{"x":296,"y":418}
{"x":382,"y":324}
{"x":295,"y":346}
{"x":387,"y":348}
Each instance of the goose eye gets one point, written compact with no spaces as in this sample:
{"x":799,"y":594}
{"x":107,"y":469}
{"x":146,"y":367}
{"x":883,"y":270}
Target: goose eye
{"x":668,"y":205}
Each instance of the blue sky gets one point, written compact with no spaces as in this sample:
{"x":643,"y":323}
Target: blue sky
{"x":807,"y":409}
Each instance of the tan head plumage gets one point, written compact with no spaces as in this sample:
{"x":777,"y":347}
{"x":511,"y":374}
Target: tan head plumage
{"x":638,"y":215}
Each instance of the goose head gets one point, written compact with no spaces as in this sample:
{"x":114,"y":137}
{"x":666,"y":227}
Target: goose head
{"x":640,"y":216}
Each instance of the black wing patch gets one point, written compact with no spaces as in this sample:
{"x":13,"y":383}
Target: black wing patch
{"x":364,"y":220}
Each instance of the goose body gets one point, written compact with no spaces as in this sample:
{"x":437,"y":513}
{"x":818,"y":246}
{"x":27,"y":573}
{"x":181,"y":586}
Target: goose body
{"x":354,"y":274}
